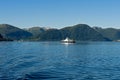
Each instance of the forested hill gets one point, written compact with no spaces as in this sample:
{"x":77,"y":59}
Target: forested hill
{"x":12,"y":32}
{"x":80,"y":32}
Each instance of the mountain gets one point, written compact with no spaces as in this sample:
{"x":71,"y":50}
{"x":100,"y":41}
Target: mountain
{"x":12,"y":32}
{"x":51,"y":35}
{"x":80,"y":32}
{"x":111,"y":33}
{"x":36,"y":31}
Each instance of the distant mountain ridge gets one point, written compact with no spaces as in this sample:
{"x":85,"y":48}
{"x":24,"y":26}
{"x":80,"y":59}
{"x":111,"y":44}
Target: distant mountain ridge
{"x":80,"y":32}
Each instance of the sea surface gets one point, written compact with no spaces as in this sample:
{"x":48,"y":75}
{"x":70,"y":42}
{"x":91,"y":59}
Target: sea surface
{"x":58,"y":61}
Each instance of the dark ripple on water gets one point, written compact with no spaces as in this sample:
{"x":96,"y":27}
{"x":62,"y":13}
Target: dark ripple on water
{"x":40,"y":75}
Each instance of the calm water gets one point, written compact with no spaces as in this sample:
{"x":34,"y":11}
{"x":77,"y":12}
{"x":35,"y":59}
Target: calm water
{"x":57,"y":61}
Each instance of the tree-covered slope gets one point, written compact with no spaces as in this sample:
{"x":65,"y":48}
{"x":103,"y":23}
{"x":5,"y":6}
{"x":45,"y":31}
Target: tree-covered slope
{"x":82,"y":32}
{"x":111,"y":33}
{"x":12,"y":32}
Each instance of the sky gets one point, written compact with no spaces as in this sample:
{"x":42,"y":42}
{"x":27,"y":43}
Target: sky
{"x":60,"y":13}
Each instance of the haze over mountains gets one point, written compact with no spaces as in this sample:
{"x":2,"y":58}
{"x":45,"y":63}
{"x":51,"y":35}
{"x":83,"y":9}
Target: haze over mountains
{"x":79,"y":32}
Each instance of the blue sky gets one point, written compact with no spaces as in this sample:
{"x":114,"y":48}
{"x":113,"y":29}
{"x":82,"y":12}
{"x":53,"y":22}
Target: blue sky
{"x":60,"y":13}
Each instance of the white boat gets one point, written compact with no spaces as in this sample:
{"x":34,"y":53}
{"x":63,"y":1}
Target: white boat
{"x":67,"y":40}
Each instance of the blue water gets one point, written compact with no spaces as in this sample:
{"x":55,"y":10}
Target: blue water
{"x":57,"y":61}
